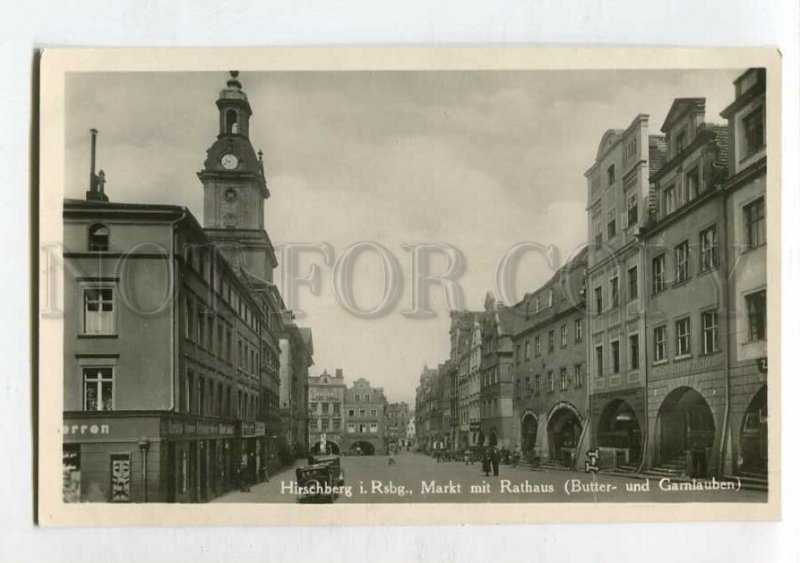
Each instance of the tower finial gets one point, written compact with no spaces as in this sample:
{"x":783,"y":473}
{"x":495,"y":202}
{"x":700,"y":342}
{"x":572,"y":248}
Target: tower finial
{"x":233,"y":82}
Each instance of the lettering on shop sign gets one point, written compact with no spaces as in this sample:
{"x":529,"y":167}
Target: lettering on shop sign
{"x":688,"y":365}
{"x":84,"y":429}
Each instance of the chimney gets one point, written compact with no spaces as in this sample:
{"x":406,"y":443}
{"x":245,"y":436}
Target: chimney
{"x":96,"y":181}
{"x":339,"y":372}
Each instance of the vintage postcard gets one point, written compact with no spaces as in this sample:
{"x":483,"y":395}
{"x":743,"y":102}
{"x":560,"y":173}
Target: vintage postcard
{"x":408,"y":286}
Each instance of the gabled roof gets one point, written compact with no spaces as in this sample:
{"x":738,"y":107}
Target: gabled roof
{"x":681,"y":106}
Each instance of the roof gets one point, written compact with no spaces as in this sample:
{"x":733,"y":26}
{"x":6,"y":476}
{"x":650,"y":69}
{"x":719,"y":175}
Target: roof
{"x":679,"y":107}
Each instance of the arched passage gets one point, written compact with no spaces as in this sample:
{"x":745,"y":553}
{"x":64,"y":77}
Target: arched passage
{"x":330,"y":447}
{"x":362,"y":446}
{"x":493,"y":438}
{"x":563,"y":430}
{"x":530,"y":426}
{"x":619,"y":428}
{"x":685,"y":423}
{"x":754,"y":445}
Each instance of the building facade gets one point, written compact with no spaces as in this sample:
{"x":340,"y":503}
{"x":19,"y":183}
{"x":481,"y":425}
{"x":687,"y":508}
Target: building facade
{"x":747,"y":272}
{"x":326,"y":399}
{"x":397,"y":417}
{"x":686,"y":355}
{"x":551,"y":397}
{"x":179,"y":422}
{"x":297,"y":351}
{"x":365,"y":419}
{"x":618,"y":189}
{"x":497,"y":376}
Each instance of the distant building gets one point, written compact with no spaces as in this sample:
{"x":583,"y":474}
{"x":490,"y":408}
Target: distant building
{"x":326,"y":398}
{"x":297,"y":351}
{"x":397,"y":417}
{"x":426,"y":408}
{"x":365,"y":419}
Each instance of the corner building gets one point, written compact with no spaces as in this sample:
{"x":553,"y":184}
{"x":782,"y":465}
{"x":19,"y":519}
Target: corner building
{"x":326,"y":412}
{"x":365,"y":417}
{"x":617,"y":206}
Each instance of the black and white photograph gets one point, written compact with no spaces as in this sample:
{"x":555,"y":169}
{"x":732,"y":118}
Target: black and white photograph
{"x":461,"y":286}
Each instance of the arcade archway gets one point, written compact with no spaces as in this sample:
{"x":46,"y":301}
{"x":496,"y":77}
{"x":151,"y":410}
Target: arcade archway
{"x":754,"y":445}
{"x":564,"y":431}
{"x":330,"y":448}
{"x":362,"y":447}
{"x":619,"y":428}
{"x":685,"y":423}
{"x":530,"y":427}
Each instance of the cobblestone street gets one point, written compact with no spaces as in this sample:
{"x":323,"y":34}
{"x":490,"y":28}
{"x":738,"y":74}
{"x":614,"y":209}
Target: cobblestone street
{"x":419,"y":478}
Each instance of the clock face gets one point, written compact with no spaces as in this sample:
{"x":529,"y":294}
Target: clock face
{"x":230,"y":194}
{"x":229,"y":161}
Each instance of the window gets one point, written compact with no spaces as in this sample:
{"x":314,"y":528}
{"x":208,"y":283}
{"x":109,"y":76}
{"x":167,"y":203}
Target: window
{"x":633,"y":351}
{"x":517,"y":354}
{"x":682,"y":262}
{"x":633,"y":284}
{"x":201,"y":396}
{"x":753,"y":132}
{"x":351,"y":412}
{"x":527,"y":350}
{"x":710,"y":326}
{"x":755,"y":226}
{"x":598,"y":299}
{"x":373,"y":412}
{"x":683,"y":337}
{"x":351,"y":428}
{"x":563,"y":335}
{"x":98,"y":238}
{"x":538,"y":304}
{"x":536,"y":348}
{"x":362,"y":412}
{"x":551,"y":340}
{"x":615,"y":356}
{"x":633,"y":210}
{"x":669,"y":200}
{"x":228,"y":345}
{"x":537,"y":384}
{"x":337,"y":424}
{"x":598,"y":354}
{"x":325,"y":424}
{"x":659,"y":283}
{"x":551,"y":382}
{"x":366,"y":397}
{"x":612,"y":224}
{"x":757,"y":315}
{"x":563,"y":380}
{"x":614,"y":292}
{"x":98,"y":389}
{"x":358,"y":397}
{"x":98,"y":310}
{"x":312,"y":407}
{"x":189,"y":318}
{"x":598,"y":234}
{"x":373,"y":427}
{"x":325,"y":407}
{"x":709,"y":254}
{"x":660,"y":343}
{"x":578,"y":330}
{"x":611,"y":175}
{"x":692,"y":186}
{"x":680,"y":142}
{"x":578,"y":375}
{"x":337,"y":409}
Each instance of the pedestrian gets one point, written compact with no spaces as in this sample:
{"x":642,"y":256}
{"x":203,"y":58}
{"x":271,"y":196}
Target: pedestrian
{"x":244,"y":484}
{"x":495,"y":461}
{"x":486,"y":462}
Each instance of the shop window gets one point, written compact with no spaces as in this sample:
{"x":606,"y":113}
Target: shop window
{"x":71,"y":470}
{"x":98,"y":310}
{"x":98,"y":389}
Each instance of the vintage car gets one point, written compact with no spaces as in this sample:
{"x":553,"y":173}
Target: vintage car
{"x":321,"y":479}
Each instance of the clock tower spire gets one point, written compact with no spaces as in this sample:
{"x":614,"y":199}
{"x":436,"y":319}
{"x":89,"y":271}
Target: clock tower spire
{"x":236,"y":188}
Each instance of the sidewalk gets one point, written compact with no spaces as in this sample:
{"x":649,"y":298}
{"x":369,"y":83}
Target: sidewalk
{"x":265,"y":490}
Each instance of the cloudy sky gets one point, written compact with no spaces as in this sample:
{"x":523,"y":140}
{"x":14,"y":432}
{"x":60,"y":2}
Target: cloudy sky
{"x":478,"y":160}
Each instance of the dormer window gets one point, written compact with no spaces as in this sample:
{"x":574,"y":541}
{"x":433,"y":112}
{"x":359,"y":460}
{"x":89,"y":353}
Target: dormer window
{"x":231,"y":125}
{"x":98,"y":237}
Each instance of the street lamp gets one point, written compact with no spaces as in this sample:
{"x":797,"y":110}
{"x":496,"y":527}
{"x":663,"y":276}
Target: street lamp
{"x":144,"y":445}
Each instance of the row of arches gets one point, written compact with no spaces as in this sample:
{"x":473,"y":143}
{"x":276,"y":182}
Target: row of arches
{"x":361,"y":447}
{"x":685,"y":422}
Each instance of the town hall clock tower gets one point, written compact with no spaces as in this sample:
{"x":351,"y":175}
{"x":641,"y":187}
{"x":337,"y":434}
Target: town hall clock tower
{"x":235,"y":190}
